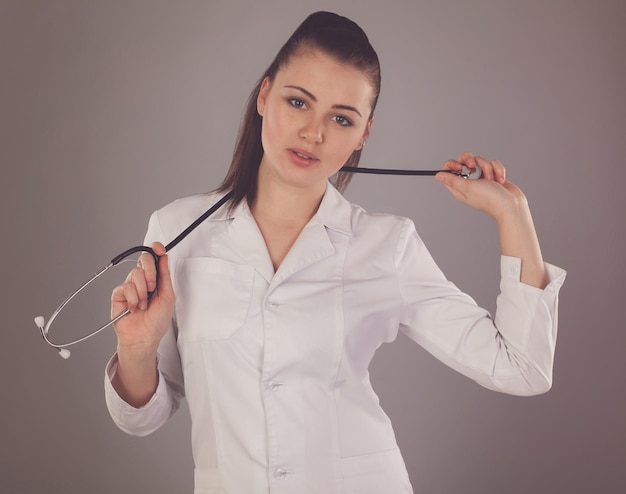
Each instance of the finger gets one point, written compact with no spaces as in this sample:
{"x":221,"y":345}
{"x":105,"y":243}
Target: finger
{"x":165,"y":289}
{"x":146,"y":262}
{"x":158,"y":248}
{"x":150,"y":267}
{"x":486,"y":167}
{"x":468,"y":159}
{"x":124,"y":297}
{"x":452,"y":165}
{"x":455,"y":184}
{"x":138,"y":279}
{"x":492,"y":170}
{"x":499,"y":170}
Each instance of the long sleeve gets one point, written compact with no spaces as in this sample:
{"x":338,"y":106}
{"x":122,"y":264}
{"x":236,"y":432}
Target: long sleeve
{"x":512,"y":352}
{"x":145,"y":420}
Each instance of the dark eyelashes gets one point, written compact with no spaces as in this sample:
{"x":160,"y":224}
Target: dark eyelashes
{"x":342,"y":120}
{"x":296,"y":102}
{"x":346,"y":121}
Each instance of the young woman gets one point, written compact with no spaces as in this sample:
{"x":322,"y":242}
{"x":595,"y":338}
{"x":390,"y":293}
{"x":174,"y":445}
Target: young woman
{"x":267,"y":317}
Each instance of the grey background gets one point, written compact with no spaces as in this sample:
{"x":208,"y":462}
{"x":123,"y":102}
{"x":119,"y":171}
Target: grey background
{"x":110,"y":109}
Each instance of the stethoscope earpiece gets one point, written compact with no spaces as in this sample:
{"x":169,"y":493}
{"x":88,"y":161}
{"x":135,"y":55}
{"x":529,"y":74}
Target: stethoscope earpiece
{"x":64,"y":353}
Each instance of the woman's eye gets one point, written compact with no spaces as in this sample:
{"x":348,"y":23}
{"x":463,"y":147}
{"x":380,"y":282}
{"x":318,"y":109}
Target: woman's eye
{"x":297,"y":103}
{"x":343,"y":121}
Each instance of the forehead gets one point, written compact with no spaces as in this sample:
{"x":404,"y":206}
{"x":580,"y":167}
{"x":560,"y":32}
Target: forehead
{"x":327,"y":79}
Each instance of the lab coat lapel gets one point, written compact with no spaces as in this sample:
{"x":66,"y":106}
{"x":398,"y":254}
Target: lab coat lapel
{"x":244,"y":238}
{"x":311,"y":246}
{"x":315,"y":241}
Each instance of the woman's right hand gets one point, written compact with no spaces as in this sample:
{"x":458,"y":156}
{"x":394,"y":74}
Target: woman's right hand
{"x":139,"y":333}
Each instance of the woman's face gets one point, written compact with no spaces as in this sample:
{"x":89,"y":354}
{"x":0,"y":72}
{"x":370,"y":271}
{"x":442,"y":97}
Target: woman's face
{"x":315,"y":113}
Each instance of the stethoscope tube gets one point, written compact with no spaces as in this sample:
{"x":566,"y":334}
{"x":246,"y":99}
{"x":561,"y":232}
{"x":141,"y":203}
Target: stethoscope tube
{"x":44,"y":327}
{"x":465,"y":172}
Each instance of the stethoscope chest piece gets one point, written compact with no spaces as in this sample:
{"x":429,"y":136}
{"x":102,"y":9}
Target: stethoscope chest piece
{"x":470,"y":174}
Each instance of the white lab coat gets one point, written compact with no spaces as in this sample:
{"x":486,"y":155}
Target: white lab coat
{"x":274,"y":366}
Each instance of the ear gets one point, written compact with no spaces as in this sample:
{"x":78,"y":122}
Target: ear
{"x":366,"y":133}
{"x":262,"y":97}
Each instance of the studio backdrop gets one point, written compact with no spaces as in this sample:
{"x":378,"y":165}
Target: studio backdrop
{"x":111,"y":109}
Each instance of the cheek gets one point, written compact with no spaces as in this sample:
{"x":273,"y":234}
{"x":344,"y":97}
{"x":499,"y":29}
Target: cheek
{"x":346,"y":155}
{"x":345,"y":143}
{"x":273,"y":127}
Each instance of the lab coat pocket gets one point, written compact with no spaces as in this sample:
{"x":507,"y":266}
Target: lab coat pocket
{"x":213,"y":297}
{"x":376,"y":473}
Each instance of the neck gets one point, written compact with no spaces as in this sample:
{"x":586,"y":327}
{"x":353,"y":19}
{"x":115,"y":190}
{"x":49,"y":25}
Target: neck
{"x":289,"y":206}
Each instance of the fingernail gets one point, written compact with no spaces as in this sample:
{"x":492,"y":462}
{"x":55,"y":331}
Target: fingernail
{"x":151,"y":286}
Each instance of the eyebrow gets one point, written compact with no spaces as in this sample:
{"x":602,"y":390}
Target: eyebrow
{"x":339,"y":107}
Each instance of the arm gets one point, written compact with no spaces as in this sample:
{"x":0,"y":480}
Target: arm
{"x":143,"y":381}
{"x":140,"y":332}
{"x":512,"y":352}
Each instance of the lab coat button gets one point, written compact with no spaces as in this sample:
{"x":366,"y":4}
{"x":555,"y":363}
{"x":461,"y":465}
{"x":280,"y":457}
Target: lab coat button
{"x":273,"y":385}
{"x":272,"y":303}
{"x":280,"y":474}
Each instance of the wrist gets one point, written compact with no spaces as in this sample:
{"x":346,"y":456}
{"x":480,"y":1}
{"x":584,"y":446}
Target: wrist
{"x":136,"y":380}
{"x":137,"y":356}
{"x":516,"y":212}
{"x":518,"y":238}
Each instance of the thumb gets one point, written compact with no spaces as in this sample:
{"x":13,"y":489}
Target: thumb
{"x":456,"y":185}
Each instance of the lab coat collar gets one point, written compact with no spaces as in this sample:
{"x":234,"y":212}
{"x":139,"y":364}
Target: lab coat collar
{"x":334,"y":211}
{"x":244,"y":237}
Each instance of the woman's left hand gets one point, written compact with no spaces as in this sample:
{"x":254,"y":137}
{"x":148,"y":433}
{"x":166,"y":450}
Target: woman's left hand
{"x":492,"y":194}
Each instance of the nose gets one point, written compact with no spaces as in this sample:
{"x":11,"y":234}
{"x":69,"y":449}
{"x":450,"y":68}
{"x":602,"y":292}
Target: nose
{"x":312,"y":130}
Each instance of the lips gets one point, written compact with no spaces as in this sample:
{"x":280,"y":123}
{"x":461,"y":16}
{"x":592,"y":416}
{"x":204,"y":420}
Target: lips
{"x":302,"y":157}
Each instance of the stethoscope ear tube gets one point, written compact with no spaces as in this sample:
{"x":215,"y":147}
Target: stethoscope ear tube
{"x":133,"y":250}
{"x":44,"y":326}
{"x":175,"y":242}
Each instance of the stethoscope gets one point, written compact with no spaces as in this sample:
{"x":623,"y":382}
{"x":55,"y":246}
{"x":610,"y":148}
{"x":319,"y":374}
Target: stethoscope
{"x":44,"y":326}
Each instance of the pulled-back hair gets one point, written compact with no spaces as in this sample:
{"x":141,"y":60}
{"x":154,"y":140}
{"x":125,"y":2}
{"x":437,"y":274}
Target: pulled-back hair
{"x":337,"y":37}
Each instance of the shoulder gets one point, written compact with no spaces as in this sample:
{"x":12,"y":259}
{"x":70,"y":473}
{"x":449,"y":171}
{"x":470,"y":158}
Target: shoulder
{"x":379,"y":224}
{"x":385,"y":234}
{"x":379,"y":234}
{"x":339,"y":213}
{"x":368,"y":219}
{"x":180,"y":213}
{"x":384,"y":242}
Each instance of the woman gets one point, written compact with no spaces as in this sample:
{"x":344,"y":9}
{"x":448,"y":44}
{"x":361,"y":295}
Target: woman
{"x":267,"y":317}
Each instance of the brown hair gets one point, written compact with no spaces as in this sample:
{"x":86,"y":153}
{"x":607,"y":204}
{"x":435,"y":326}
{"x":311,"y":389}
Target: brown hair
{"x":336,"y":36}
